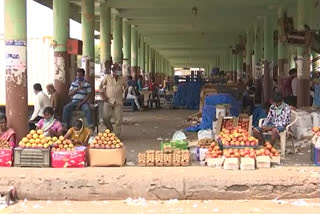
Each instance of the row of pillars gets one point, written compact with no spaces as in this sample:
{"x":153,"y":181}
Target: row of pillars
{"x":129,"y":49}
{"x":267,"y":59}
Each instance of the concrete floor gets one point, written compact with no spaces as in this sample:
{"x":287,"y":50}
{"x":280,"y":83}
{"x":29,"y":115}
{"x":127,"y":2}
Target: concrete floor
{"x":173,"y":206}
{"x":143,"y":130}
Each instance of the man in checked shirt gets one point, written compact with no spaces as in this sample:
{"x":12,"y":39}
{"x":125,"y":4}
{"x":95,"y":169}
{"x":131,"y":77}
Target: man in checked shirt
{"x":113,"y":89}
{"x":278,"y":118}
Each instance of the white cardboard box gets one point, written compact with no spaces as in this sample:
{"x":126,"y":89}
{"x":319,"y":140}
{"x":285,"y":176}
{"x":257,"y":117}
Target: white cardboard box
{"x":231,"y":164}
{"x":263,"y":162}
{"x":247,"y":164}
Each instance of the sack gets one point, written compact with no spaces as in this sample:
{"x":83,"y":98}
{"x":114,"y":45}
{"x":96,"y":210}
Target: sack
{"x":205,"y":134}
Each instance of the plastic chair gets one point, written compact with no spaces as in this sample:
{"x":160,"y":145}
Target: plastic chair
{"x":286,"y":134}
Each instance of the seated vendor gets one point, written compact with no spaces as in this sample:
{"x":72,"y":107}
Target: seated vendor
{"x":78,"y":134}
{"x":278,"y":118}
{"x":7,"y":134}
{"x":51,"y":127}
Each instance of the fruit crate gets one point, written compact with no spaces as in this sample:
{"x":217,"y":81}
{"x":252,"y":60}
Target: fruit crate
{"x":31,"y":157}
{"x":315,"y":155}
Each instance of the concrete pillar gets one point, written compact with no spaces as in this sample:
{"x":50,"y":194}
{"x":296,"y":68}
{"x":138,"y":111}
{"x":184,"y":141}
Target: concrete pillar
{"x":15,"y":36}
{"x":126,"y":28}
{"x":239,"y":67}
{"x":258,"y":60}
{"x":303,"y":55}
{"x":268,"y":59}
{"x":105,"y":37}
{"x":61,"y":58}
{"x":283,"y":66}
{"x":151,"y":60}
{"x":249,"y":48}
{"x":87,"y":22}
{"x":117,"y":39}
{"x":134,"y":51}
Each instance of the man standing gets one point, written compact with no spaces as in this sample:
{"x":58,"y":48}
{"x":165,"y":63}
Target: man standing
{"x":80,"y":92}
{"x":55,"y":101}
{"x":41,"y":102}
{"x":111,"y":89}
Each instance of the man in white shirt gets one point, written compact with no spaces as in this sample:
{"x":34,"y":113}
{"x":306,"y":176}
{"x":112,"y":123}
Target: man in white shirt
{"x":41,"y":102}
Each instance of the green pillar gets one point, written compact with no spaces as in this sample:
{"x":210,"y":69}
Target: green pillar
{"x":134,"y":51}
{"x":142,"y":55}
{"x":239,"y":66}
{"x":151,"y":60}
{"x":283,"y":66}
{"x":146,"y":48}
{"x":126,"y":28}
{"x":234,"y":66}
{"x":61,"y":59}
{"x":15,"y":36}
{"x":87,"y":22}
{"x":268,"y":58}
{"x":305,"y":8}
{"x":117,"y":39}
{"x":249,"y":48}
{"x":105,"y":37}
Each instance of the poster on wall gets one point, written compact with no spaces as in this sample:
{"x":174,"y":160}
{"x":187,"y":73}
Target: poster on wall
{"x":16,"y":62}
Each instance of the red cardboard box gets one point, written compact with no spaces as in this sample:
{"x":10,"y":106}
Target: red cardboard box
{"x":6,"y":157}
{"x":68,"y":159}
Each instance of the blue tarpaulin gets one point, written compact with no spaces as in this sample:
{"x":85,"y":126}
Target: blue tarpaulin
{"x":188,"y":95}
{"x":258,"y":113}
{"x":209,"y":110}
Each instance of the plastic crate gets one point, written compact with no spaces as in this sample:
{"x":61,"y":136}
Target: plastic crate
{"x":315,"y":155}
{"x":31,"y":157}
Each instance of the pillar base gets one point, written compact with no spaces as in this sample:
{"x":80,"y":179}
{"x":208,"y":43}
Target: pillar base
{"x":303,"y":93}
{"x":267,"y":82}
{"x":258,"y":86}
{"x":283,"y":77}
{"x":62,"y":77}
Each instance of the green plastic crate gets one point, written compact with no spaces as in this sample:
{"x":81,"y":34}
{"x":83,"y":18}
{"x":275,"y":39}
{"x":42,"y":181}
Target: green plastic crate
{"x":32,"y":157}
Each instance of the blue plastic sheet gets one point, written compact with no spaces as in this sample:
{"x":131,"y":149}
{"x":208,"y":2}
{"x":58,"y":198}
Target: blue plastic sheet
{"x":316,"y":99}
{"x":258,"y":113}
{"x":209,"y":110}
{"x":188,"y":95}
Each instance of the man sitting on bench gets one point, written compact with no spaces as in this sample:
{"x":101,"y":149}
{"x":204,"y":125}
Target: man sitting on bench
{"x":80,"y":92}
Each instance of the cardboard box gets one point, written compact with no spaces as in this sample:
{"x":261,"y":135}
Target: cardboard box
{"x":263,"y":162}
{"x":107,"y":157}
{"x":68,"y":159}
{"x":6,"y":157}
{"x":220,"y":121}
{"x":247,"y":164}
{"x":275,"y":160}
{"x":215,"y":162}
{"x":245,"y":116}
{"x":231,"y":164}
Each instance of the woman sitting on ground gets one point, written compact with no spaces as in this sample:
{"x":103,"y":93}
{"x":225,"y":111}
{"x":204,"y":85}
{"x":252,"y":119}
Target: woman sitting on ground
{"x":51,"y":127}
{"x":78,"y":134}
{"x":7,"y":134}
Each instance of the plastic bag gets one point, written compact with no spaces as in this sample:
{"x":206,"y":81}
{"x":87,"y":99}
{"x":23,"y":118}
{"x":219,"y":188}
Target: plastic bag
{"x":179,"y":135}
{"x":203,"y":134}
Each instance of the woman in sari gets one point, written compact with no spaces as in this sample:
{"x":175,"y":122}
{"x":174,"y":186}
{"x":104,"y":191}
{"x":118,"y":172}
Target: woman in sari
{"x":78,"y":134}
{"x":7,"y":134}
{"x":51,"y":127}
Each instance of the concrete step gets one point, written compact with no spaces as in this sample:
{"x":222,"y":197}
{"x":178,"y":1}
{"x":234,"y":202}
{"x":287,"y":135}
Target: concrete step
{"x":163,"y":183}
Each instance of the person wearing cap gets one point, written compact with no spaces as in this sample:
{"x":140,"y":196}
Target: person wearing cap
{"x":111,"y":89}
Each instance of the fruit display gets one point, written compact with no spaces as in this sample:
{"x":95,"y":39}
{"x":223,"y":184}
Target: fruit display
{"x":61,"y":144}
{"x":106,"y":140}
{"x":214,"y":151}
{"x":237,"y":136}
{"x":167,"y":147}
{"x":142,"y":159}
{"x":237,"y":153}
{"x":243,"y":123}
{"x":267,"y":150}
{"x":5,"y":145}
{"x":205,"y":143}
{"x":316,"y":131}
{"x":227,"y":123}
{"x":36,"y":140}
{"x":159,"y":158}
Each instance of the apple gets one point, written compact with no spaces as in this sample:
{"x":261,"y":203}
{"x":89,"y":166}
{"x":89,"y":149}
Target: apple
{"x":258,"y":153}
{"x":252,"y":155}
{"x":315,"y":129}
{"x":267,"y":152}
